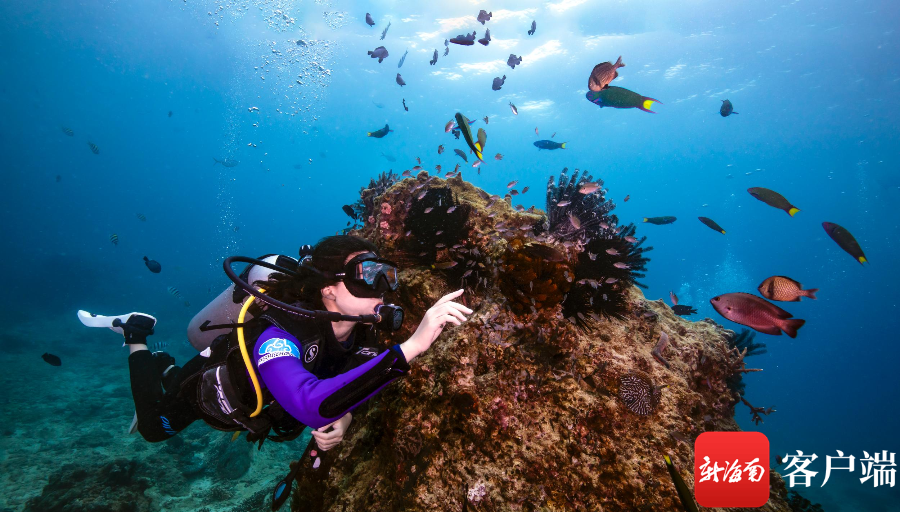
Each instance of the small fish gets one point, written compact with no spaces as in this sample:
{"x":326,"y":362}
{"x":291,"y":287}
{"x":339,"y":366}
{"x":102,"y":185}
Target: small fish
{"x":684,"y":493}
{"x":378,"y":134}
{"x":726,"y":109}
{"x":773,"y":199}
{"x":535,"y":130}
{"x":612,"y":251}
{"x":58,"y":178}
{"x":153,"y":265}
{"x":467,"y":273}
{"x":757,"y":313}
{"x":631,"y":239}
{"x":513,"y":108}
{"x":487,"y":38}
{"x":236,"y":228}
{"x":611,"y":280}
{"x":513,"y":61}
{"x":603,"y":74}
{"x":604,"y":226}
{"x":712,"y":224}
{"x":782,"y":288}
{"x":621,"y":265}
{"x":512,"y":184}
{"x":498,"y":157}
{"x":67,"y":131}
{"x":456,"y":169}
{"x":402,"y":59}
{"x":437,"y":168}
{"x":660,"y":220}
{"x":461,"y":154}
{"x":683,"y":310}
{"x":464,"y":39}
{"x":404,"y":105}
{"x":419,"y":160}
{"x":446,"y":51}
{"x":400,"y":80}
{"x":627,"y":197}
{"x":485,"y":120}
{"x":170,"y":113}
{"x":227,"y":162}
{"x":369,"y":21}
{"x":484,"y":16}
{"x":422,"y":195}
{"x":379,"y":53}
{"x":440,"y":149}
{"x":406,"y":173}
{"x":449,"y":126}
{"x":408,"y":233}
{"x":498,"y":83}
{"x":477,"y":163}
{"x":554,"y":135}
{"x":547,"y":144}
{"x":576,"y":223}
{"x":451,"y":209}
{"x":533,"y":28}
{"x":433,"y":60}
{"x":513,"y":192}
{"x":845,"y":240}
{"x":141,"y":217}
{"x":673,"y":297}
{"x":52,"y":359}
{"x":173,"y":291}
{"x":440,"y":245}
{"x":563,"y":203}
{"x":444,"y":265}
{"x":588,"y":187}
{"x":94,"y":149}
{"x":429,"y":209}
{"x":525,"y":190}
{"x":385,"y":32}
{"x":114,"y":239}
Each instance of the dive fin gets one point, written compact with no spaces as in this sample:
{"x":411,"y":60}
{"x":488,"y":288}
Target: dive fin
{"x":134,"y":425}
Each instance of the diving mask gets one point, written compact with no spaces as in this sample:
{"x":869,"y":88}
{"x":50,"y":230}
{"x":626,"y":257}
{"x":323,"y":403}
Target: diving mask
{"x":368,"y":276}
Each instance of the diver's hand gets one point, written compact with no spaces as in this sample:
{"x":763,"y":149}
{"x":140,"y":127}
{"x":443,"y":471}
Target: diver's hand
{"x":432,"y":324}
{"x":328,"y":440}
{"x":137,"y":328}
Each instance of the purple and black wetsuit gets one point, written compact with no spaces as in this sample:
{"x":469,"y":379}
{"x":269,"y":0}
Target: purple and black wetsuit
{"x":279,"y":360}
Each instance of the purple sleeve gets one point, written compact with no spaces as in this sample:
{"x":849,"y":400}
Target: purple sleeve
{"x":313,"y":401}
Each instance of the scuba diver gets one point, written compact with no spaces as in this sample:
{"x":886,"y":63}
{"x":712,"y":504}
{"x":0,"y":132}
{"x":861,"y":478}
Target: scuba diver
{"x":313,"y":327}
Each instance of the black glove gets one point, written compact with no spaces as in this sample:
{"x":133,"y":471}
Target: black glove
{"x":137,"y":329}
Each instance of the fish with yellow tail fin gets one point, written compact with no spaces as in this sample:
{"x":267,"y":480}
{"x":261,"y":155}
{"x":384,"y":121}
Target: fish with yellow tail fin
{"x":845,"y":240}
{"x":621,"y":98}
{"x":773,"y":199}
{"x":684,"y":493}
{"x":475,"y":146}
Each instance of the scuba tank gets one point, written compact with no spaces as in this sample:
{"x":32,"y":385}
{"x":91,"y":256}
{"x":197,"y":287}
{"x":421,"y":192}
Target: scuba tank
{"x":224,"y":309}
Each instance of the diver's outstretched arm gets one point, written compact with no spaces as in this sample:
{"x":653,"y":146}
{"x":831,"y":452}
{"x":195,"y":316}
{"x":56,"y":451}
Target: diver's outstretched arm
{"x":136,"y":327}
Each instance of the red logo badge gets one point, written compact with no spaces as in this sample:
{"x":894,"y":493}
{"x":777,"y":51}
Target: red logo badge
{"x":731,"y":469}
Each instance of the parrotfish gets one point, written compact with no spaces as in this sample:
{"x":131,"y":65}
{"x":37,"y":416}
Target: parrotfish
{"x":621,"y":98}
{"x":773,"y":199}
{"x":378,"y":134}
{"x":712,"y":224}
{"x":845,"y":240}
{"x":660,"y":220}
{"x":476,"y":146}
{"x":547,"y":144}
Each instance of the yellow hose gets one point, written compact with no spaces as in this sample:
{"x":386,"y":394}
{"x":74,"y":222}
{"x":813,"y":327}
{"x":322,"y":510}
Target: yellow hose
{"x":247,"y":362}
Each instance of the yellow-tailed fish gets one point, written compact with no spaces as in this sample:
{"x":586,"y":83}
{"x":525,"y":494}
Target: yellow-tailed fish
{"x":684,"y":493}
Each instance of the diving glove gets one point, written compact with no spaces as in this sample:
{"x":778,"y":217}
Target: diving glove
{"x":136,"y":328}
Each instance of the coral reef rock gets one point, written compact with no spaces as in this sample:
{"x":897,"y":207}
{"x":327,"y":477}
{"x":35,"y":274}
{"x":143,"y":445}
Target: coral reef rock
{"x":519,"y":408}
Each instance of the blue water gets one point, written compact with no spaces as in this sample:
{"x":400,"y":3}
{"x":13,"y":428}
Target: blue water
{"x":815,"y":85}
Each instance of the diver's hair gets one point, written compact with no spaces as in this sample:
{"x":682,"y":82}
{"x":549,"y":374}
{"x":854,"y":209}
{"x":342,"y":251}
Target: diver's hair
{"x":328,"y":256}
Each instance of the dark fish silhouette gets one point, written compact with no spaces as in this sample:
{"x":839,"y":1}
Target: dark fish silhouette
{"x":660,"y":220}
{"x":349,"y":211}
{"x":533,"y":28}
{"x":378,"y":134}
{"x":757,"y":313}
{"x":379,"y":53}
{"x":513,"y":61}
{"x":446,"y":51}
{"x":498,"y":83}
{"x":484,"y":16}
{"x":94,"y":149}
{"x":433,"y":60}
{"x":603,"y":74}
{"x":369,"y":21}
{"x":461,"y":154}
{"x":67,"y":131}
{"x":683,"y":310}
{"x":226,"y":162}
{"x":547,"y":144}
{"x":712,"y":224}
{"x":773,"y":199}
{"x":402,"y":59}
{"x":389,"y":158}
{"x":170,"y":113}
{"x":464,"y":39}
{"x":845,"y":240}
{"x":58,"y":178}
{"x":52,"y":359}
{"x":114,"y":239}
{"x":487,"y":37}
{"x":727,"y":109}
{"x":684,"y":492}
{"x":385,"y":31}
{"x":621,"y":98}
{"x":153,"y":265}
{"x":404,"y":105}
{"x":400,"y":80}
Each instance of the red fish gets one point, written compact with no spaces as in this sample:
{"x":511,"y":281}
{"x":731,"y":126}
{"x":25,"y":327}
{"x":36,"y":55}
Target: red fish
{"x":757,"y":313}
{"x":603,"y":74}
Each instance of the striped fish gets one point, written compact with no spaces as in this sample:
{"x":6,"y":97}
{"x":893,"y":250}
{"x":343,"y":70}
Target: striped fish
{"x":174,"y":292}
{"x":94,"y":148}
{"x":114,"y":239}
{"x":141,"y":217}
{"x":68,"y":131}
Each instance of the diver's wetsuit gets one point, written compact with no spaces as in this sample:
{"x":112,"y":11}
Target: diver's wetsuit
{"x":316,"y":381}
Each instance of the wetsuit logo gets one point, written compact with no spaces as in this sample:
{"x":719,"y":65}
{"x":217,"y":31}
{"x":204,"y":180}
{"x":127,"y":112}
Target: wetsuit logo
{"x":311,"y":352}
{"x":275,"y":348}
